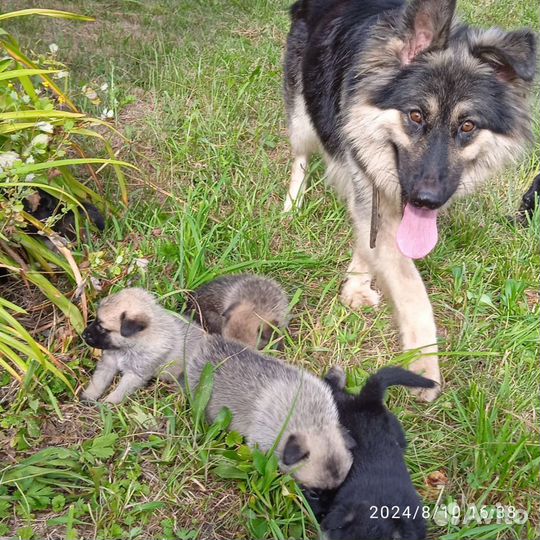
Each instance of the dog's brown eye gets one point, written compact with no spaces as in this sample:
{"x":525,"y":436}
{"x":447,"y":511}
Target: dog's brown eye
{"x":416,"y":117}
{"x":467,"y":126}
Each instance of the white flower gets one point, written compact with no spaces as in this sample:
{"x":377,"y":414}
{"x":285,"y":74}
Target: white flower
{"x":61,"y":75}
{"x":25,"y":99}
{"x":8,"y":159}
{"x":40,"y":140}
{"x":30,"y":177}
{"x":142,"y":263}
{"x":45,"y":127}
{"x":53,"y":47}
{"x":30,"y":160}
{"x":107,"y":114}
{"x":104,"y":87}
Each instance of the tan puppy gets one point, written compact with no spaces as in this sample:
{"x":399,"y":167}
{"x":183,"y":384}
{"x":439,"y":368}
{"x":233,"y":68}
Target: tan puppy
{"x":244,"y":308}
{"x":140,"y":339}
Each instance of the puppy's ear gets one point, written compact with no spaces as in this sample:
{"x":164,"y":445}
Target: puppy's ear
{"x":426,"y":25}
{"x":229,"y":311}
{"x":295,"y":449}
{"x":130,"y":326}
{"x":511,"y":54}
{"x":32,"y":202}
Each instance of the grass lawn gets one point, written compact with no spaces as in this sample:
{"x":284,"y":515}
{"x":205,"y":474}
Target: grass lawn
{"x":196,"y":86}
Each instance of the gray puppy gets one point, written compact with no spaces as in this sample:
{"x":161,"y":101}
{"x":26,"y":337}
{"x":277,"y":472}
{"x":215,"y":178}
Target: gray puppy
{"x":267,"y":396}
{"x":140,"y":339}
{"x":244,"y":308}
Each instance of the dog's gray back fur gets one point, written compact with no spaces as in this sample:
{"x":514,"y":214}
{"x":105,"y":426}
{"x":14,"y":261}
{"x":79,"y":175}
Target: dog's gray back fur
{"x":261,"y":392}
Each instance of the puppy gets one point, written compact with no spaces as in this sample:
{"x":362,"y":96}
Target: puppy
{"x":140,"y":339}
{"x":377,"y":501}
{"x":269,"y":400}
{"x":42,"y":206}
{"x":529,"y":202}
{"x":242,"y":308}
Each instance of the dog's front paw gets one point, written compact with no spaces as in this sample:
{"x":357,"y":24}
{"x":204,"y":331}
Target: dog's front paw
{"x":427,"y":394}
{"x":357,"y":293}
{"x":428,"y":367}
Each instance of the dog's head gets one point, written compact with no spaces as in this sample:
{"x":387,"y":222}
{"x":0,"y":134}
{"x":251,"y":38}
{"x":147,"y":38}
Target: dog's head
{"x":437,"y":107}
{"x":123,"y":320}
{"x":318,"y":459}
{"x":243,"y":324}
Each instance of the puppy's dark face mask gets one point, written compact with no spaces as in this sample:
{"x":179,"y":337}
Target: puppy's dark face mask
{"x":97,"y":336}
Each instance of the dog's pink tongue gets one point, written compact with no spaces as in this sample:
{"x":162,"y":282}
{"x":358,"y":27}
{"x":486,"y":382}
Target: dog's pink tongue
{"x":417,"y":232}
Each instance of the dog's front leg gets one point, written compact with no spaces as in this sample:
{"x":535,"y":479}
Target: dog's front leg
{"x":399,"y":279}
{"x":101,"y":379}
{"x":127,"y":385}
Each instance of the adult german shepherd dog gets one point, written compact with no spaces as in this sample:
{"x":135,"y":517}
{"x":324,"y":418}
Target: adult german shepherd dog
{"x":410,"y":109}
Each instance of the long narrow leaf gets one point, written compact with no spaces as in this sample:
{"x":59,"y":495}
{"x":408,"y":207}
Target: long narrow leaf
{"x":17,"y":115}
{"x":46,"y":13}
{"x":58,"y":299}
{"x":16,"y":73}
{"x":34,"y":167}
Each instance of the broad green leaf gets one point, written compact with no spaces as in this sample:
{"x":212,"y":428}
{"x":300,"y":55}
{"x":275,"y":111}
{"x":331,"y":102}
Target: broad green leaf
{"x":103,"y":447}
{"x":230,"y":471}
{"x":203,"y":393}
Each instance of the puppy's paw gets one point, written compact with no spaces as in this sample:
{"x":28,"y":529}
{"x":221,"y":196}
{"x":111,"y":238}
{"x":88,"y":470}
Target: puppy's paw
{"x":336,"y":377}
{"x":113,"y":399}
{"x":88,"y":395}
{"x":357,"y":293}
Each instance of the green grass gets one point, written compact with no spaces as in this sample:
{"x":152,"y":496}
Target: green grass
{"x":197,"y":87}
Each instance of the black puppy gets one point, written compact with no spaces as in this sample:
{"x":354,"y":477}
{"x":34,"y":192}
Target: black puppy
{"x":377,"y":501}
{"x":529,"y":202}
{"x":43,"y":205}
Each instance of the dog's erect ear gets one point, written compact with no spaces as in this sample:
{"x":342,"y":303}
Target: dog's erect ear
{"x":229,"y":311}
{"x":511,"y":54}
{"x":426,"y":25}
{"x":295,"y":449}
{"x":130,"y":326}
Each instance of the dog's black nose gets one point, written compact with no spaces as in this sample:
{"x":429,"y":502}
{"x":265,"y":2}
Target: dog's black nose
{"x":87,"y":337}
{"x":427,"y":199}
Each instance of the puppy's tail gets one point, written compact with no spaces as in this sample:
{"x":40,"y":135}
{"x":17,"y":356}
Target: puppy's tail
{"x":376,"y":385}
